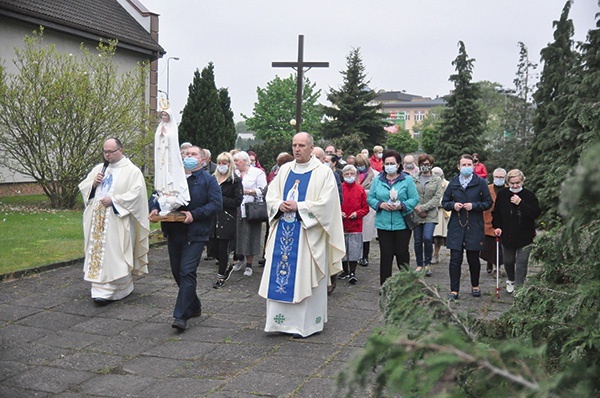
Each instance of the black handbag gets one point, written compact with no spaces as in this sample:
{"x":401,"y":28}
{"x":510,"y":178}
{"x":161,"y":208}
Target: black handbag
{"x":412,"y":220}
{"x":257,"y":211}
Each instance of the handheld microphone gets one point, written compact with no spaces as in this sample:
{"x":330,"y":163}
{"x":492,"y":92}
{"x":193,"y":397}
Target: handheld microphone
{"x":106,"y":163}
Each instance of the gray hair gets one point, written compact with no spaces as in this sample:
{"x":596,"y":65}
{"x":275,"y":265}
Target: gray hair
{"x":348,"y":167}
{"x":242,"y":155}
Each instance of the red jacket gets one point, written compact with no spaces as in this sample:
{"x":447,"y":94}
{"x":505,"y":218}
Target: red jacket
{"x":376,"y":163}
{"x":480,"y":170}
{"x":355,"y":200}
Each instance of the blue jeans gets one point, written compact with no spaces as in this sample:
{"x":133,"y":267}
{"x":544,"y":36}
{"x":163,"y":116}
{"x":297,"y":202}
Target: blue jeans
{"x":424,"y":242}
{"x":184,"y":257}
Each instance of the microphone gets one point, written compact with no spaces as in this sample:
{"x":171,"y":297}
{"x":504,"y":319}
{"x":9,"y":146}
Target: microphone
{"x":106,"y":163}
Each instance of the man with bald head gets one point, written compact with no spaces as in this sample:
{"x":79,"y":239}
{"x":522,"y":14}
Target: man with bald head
{"x":115,"y":225}
{"x":305,"y":245}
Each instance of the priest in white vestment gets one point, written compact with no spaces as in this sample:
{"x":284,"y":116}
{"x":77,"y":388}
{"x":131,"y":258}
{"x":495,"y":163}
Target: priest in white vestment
{"x":305,"y":244}
{"x":115,"y":225}
{"x":170,"y":181}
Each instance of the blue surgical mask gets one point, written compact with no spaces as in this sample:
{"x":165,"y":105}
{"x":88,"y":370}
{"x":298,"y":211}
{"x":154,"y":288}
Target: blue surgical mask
{"x":223,"y":168}
{"x":190,"y":163}
{"x":466,"y":171}
{"x":379,"y":155}
{"x":499,"y":182}
{"x":361,"y":169}
{"x":391,"y":168}
{"x":350,"y":180}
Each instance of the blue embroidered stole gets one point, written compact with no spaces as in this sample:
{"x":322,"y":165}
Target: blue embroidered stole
{"x":285,"y":252}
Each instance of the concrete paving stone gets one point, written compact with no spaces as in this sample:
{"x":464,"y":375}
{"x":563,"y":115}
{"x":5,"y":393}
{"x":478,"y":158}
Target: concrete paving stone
{"x":177,"y":387}
{"x":152,"y":329}
{"x":231,"y":322}
{"x":10,"y":369}
{"x":69,"y":339}
{"x":304,"y":348}
{"x":282,"y":365}
{"x":47,"y":379}
{"x":241,"y":352}
{"x":44,"y":301}
{"x":123,"y":345}
{"x":271,"y":384}
{"x":12,"y":335}
{"x":88,"y":361}
{"x":211,"y":334}
{"x":104,"y":326}
{"x":215,"y":369}
{"x":11,"y":313}
{"x":33,"y":353}
{"x":332,"y":369}
{"x":159,"y":368}
{"x":191,"y":350}
{"x":82,"y":306}
{"x":116,"y":385}
{"x":52,"y":320}
{"x":129,"y":312}
{"x":19,"y":392}
{"x":252,"y":337}
{"x":160,"y":300}
{"x":316,"y":388}
{"x":247,"y":307}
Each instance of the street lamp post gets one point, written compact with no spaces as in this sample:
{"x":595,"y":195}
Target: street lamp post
{"x":169,"y":59}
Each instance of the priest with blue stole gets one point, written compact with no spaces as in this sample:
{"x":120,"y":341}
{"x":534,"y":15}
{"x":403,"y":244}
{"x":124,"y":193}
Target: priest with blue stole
{"x":305,"y":244}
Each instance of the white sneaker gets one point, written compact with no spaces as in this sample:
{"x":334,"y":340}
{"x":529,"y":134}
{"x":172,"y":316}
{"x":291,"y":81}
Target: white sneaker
{"x":238,"y":266}
{"x":510,"y":286}
{"x":248,"y":271}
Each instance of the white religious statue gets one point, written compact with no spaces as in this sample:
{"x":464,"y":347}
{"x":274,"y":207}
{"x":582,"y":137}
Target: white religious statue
{"x":169,"y":176}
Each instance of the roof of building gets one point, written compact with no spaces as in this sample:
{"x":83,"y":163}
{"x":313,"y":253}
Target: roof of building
{"x":90,"y":19}
{"x":427,"y":103}
{"x":395,"y":96}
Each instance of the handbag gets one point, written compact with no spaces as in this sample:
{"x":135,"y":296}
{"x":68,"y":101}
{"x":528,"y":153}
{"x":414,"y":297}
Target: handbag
{"x":257,"y":211}
{"x":412,"y":220}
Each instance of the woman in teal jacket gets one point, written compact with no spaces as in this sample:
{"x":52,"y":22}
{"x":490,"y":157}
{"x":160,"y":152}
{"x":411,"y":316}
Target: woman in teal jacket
{"x":393,"y":195}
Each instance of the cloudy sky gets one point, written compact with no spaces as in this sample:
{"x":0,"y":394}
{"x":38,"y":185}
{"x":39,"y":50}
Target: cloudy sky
{"x":405,"y":44}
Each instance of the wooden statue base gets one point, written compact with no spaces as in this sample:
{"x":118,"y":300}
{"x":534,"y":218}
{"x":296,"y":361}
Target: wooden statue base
{"x":173,"y":216}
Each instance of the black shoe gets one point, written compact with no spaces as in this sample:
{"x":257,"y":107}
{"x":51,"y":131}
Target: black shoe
{"x":352,"y":280}
{"x":209,"y":258}
{"x":490,"y":268}
{"x":261,"y":262}
{"x":100,"y":302}
{"x":364,"y":262}
{"x":219,"y":283}
{"x":452,"y":296}
{"x":197,"y":314}
{"x":343,"y":275}
{"x":476,"y":293}
{"x":331,"y":287}
{"x":179,"y":324}
{"x":228,"y":272}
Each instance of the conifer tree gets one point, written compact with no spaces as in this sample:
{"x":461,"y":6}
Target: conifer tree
{"x":553,"y":150}
{"x":207,"y":120}
{"x":351,"y":112}
{"x":462,"y":122}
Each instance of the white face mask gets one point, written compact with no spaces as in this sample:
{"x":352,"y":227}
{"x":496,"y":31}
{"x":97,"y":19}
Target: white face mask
{"x":350,"y":180}
{"x":391,"y":169}
{"x":499,"y":182}
{"x":516,"y":190}
{"x":380,"y":155}
{"x":223,"y":168}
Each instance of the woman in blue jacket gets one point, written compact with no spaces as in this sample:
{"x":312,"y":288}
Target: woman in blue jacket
{"x":392,"y":195}
{"x":467,"y":197}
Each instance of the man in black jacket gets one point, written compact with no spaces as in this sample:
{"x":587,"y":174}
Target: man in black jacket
{"x":186,"y":239}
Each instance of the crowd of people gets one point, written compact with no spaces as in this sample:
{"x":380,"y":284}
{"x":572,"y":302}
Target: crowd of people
{"x":323,"y":212}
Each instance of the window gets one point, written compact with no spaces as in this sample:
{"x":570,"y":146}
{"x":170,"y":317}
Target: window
{"x":419,"y":116}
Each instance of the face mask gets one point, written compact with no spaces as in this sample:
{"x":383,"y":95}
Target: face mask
{"x":350,"y":180}
{"x":190,"y":163}
{"x":223,"y":168}
{"x":425,"y":169}
{"x":361,"y":168}
{"x":516,"y":190}
{"x":379,"y":155}
{"x":391,"y":169}
{"x":409,"y":166}
{"x":499,"y":182}
{"x":466,"y":171}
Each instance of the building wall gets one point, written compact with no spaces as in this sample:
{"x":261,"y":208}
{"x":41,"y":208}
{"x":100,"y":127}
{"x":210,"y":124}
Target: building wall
{"x":12,"y":34}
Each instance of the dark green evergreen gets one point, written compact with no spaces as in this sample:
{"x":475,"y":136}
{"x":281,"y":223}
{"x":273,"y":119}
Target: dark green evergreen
{"x":207,"y":119}
{"x":351,"y":112}
{"x":402,"y":141}
{"x":462,"y":122}
{"x":555,"y":147}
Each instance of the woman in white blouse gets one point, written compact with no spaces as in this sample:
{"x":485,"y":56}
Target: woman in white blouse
{"x":254,"y":182}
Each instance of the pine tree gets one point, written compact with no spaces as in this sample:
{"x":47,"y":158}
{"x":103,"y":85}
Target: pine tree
{"x":351,"y":112}
{"x":462,"y":121}
{"x":553,"y":150}
{"x":207,"y":120}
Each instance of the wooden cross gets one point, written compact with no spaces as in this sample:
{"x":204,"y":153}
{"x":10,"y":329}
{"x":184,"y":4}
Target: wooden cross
{"x":299,"y":66}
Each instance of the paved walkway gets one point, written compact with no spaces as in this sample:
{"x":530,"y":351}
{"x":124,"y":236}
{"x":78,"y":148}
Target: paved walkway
{"x":54,"y":342}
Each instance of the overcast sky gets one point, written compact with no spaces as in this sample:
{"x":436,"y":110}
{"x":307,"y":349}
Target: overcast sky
{"x":405,"y":44}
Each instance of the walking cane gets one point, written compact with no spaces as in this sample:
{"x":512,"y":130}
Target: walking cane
{"x":497,"y":267}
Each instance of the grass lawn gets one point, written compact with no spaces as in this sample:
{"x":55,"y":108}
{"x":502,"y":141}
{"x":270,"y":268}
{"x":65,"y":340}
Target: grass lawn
{"x":31,"y":234}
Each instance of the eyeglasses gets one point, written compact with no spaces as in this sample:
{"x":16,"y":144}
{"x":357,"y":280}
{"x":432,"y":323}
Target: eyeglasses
{"x":109,"y":152}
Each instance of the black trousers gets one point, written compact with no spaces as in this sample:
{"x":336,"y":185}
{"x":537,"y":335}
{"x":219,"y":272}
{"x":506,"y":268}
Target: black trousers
{"x":393,"y":244}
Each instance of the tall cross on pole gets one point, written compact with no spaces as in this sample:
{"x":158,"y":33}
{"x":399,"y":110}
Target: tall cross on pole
{"x":299,"y":66}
